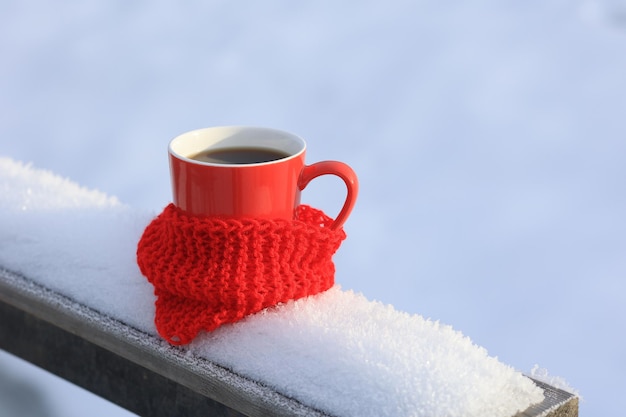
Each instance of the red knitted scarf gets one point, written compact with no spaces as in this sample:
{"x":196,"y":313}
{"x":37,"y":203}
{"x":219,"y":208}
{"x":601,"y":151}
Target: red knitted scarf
{"x":208,"y":271}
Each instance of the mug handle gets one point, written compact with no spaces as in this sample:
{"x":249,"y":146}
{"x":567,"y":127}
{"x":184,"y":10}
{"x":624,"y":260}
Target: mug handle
{"x":341,"y":170}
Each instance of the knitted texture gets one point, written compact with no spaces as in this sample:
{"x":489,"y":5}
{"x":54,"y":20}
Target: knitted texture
{"x":208,"y":271}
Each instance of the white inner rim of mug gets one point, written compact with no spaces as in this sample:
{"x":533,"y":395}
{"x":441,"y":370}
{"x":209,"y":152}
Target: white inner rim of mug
{"x":214,"y":138}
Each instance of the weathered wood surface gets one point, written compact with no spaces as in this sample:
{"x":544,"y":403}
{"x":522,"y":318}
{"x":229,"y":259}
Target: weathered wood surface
{"x":142,"y":373}
{"x":557,"y":403}
{"x":124,"y":365}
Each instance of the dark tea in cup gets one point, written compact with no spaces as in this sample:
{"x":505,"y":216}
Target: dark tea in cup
{"x":239,"y":155}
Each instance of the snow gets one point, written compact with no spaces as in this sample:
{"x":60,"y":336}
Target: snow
{"x":352,"y":357}
{"x":337,"y":351}
{"x":542,"y":374}
{"x":488,"y":139}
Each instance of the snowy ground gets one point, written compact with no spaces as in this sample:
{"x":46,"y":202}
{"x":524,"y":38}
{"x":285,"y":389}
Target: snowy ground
{"x":488,"y":139}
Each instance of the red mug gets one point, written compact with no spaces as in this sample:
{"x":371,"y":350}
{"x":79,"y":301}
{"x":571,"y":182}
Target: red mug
{"x":214,"y":173}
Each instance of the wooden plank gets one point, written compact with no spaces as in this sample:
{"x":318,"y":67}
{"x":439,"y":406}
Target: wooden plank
{"x":102,"y":372}
{"x":150,"y":355}
{"x":140,"y":372}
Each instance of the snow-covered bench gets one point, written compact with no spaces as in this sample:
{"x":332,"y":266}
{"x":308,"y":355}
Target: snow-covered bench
{"x":141,"y":373}
{"x":72,"y":301}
